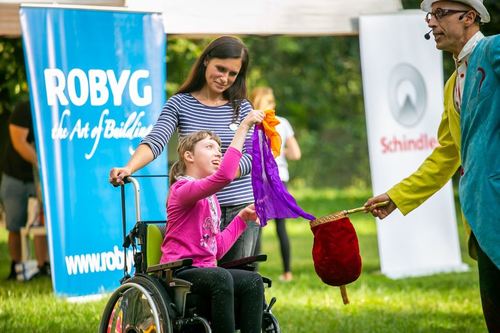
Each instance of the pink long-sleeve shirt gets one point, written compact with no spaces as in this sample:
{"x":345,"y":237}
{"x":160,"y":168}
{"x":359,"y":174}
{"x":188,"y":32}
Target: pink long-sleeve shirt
{"x":194,"y":217}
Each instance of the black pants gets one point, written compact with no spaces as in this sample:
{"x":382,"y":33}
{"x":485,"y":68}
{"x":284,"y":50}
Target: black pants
{"x":489,"y":287}
{"x":222,"y":286}
{"x":284,"y":243}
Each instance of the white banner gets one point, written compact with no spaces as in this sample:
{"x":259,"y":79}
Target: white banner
{"x":403,"y":91}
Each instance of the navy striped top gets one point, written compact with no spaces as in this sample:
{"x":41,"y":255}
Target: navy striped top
{"x":185,"y":113}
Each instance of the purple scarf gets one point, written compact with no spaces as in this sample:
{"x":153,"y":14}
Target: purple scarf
{"x":272,"y":199}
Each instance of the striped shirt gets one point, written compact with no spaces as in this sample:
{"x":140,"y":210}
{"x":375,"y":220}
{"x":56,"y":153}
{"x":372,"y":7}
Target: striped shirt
{"x":188,"y":115}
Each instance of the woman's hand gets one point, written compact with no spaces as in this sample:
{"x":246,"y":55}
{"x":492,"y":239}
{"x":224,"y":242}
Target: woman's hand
{"x":248,"y":214}
{"x":141,"y":157}
{"x":117,"y":175}
{"x":380,"y":212}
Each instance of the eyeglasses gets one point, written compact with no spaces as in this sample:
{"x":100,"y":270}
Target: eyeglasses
{"x":439,"y":13}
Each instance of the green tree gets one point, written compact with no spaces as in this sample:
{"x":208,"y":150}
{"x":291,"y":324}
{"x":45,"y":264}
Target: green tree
{"x":317,"y":83}
{"x":13,"y":86}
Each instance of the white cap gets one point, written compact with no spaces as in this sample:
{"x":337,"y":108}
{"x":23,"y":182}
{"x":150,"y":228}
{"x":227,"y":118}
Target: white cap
{"x":476,"y":4}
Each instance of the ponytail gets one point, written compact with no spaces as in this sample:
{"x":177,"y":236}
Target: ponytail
{"x":177,"y":169}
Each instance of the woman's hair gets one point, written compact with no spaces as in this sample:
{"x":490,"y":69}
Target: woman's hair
{"x":258,"y":95}
{"x":187,"y":143}
{"x":225,"y":47}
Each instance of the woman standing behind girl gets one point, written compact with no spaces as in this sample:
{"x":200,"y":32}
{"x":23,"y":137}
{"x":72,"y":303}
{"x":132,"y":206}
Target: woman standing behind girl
{"x":213,"y":97}
{"x":193,"y":228}
{"x":262,"y":98}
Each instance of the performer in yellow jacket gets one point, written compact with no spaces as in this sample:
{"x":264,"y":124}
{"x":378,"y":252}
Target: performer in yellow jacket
{"x":455,"y":26}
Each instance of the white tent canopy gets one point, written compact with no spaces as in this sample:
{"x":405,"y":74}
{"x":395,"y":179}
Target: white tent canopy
{"x":9,"y":12}
{"x":264,"y":17}
{"x":215,"y":17}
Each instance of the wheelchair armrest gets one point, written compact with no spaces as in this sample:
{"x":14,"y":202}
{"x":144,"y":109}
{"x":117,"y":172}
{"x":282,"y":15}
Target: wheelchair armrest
{"x":241,"y":263}
{"x":170,"y":265}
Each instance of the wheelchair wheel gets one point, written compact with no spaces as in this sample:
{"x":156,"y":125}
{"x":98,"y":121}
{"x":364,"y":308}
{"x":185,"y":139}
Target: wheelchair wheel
{"x":138,"y":305}
{"x":270,"y":323}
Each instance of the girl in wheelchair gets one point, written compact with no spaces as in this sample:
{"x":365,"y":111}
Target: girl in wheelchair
{"x":193,"y":228}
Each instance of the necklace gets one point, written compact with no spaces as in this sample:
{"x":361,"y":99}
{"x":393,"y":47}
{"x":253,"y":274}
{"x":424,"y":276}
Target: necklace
{"x":233,"y":126}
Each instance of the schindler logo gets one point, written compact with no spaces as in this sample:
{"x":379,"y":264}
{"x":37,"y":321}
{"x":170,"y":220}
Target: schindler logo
{"x":407,"y":101}
{"x":407,"y":95}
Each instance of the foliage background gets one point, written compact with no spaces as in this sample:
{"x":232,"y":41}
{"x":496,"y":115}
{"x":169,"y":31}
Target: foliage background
{"x":317,"y":83}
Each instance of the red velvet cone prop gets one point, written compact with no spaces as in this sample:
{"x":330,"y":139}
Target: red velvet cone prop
{"x":336,"y":250}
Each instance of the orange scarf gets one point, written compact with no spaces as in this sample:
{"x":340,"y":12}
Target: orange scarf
{"x":269,"y":124}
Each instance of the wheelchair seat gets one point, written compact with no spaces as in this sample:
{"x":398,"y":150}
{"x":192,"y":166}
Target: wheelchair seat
{"x":154,"y":238}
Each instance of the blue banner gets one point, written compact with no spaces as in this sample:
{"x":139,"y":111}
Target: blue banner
{"x":96,"y":80}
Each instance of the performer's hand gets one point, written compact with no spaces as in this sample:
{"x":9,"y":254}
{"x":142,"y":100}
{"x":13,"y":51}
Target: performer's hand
{"x":116,"y":175}
{"x":248,"y":214}
{"x":380,"y":212}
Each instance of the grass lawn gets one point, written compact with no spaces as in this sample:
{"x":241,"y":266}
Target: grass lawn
{"x":439,"y":303}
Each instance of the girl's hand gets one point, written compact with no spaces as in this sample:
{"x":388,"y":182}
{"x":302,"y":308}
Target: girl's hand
{"x":254,"y":117}
{"x":248,"y":214}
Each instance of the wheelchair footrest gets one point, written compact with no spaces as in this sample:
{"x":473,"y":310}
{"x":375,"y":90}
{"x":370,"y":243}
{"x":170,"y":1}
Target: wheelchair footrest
{"x":179,"y":324}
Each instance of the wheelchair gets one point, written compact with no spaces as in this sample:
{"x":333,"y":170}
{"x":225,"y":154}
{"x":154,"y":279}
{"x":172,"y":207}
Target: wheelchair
{"x":153,"y":299}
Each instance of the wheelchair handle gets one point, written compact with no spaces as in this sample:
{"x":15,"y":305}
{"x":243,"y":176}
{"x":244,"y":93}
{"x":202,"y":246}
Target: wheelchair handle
{"x":137,"y":191}
{"x":137,"y":196}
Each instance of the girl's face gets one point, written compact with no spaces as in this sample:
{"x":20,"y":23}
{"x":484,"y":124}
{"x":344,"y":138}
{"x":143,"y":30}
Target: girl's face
{"x":206,"y":157}
{"x":220,"y":74}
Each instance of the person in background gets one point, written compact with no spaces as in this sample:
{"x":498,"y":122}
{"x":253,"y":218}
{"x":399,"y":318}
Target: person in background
{"x":193,"y":228}
{"x":18,"y":186}
{"x":263,"y":98}
{"x":213,"y":97}
{"x":456,"y":29}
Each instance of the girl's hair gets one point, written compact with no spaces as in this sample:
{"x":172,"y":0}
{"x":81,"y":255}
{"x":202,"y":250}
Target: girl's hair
{"x":225,"y":47}
{"x":187,"y":143}
{"x":258,"y":94}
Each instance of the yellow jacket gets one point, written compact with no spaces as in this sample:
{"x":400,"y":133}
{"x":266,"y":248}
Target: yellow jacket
{"x":440,"y":166}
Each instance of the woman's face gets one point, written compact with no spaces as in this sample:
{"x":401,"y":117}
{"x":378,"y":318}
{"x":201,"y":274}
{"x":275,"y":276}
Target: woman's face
{"x":220,"y":74}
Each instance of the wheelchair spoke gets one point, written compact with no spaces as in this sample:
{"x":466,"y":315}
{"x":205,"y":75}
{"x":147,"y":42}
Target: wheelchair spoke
{"x":136,"y":306}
